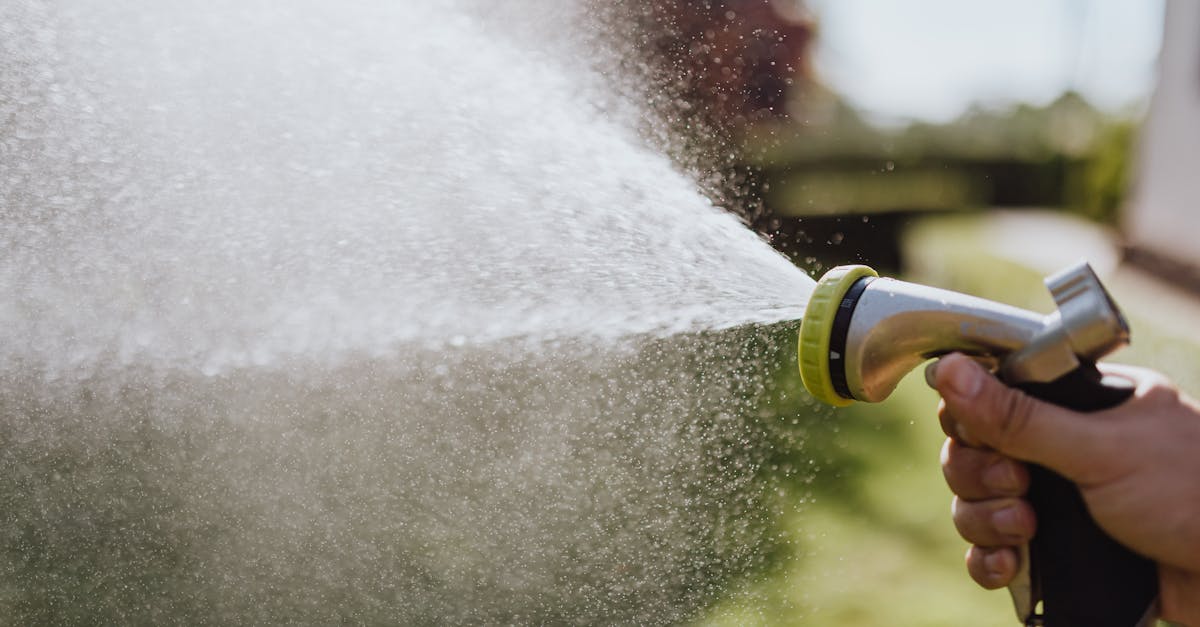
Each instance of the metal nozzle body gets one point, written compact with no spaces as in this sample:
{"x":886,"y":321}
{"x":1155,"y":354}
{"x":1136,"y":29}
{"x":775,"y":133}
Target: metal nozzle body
{"x":895,"y":325}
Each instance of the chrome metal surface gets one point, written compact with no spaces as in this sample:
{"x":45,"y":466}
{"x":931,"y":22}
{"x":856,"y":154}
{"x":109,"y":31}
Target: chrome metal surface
{"x":897,"y":325}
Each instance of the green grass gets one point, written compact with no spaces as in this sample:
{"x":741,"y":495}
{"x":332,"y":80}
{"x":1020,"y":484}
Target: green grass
{"x":875,"y":546}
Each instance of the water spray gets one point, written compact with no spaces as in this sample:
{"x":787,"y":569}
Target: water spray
{"x":861,"y":334}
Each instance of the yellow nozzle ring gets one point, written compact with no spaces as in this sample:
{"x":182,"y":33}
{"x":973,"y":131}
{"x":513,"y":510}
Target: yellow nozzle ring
{"x":817,"y":327}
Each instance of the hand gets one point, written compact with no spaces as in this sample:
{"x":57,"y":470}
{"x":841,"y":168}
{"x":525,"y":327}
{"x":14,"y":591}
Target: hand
{"x":1137,"y":466}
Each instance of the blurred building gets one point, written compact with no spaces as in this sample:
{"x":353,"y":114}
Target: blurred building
{"x":737,"y":59}
{"x":1163,"y":220}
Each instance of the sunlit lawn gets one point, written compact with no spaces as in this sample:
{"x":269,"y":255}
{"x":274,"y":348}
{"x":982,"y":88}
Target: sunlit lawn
{"x":887,"y":554}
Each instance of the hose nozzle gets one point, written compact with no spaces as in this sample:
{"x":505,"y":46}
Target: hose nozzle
{"x":861,"y":334}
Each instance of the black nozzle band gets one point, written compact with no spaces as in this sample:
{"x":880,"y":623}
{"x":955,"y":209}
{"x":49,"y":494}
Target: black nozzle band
{"x":837,"y":337}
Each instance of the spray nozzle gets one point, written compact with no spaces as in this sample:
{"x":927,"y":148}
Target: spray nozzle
{"x":861,"y":334}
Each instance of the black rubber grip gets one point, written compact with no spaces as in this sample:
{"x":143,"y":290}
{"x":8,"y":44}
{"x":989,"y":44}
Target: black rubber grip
{"x":1082,"y":576}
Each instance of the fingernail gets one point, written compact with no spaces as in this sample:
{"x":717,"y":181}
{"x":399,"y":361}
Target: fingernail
{"x":1001,"y":476}
{"x":993,"y":563}
{"x":963,"y":434}
{"x":966,"y":380}
{"x":1007,"y":521}
{"x":931,"y":374}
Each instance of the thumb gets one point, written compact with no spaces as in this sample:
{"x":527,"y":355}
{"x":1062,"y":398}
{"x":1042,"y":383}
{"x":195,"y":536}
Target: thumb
{"x":1014,"y":423}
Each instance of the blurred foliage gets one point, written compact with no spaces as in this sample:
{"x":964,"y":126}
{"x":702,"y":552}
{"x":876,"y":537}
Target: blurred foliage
{"x":830,"y":160}
{"x":836,"y":188}
{"x":1099,"y":189}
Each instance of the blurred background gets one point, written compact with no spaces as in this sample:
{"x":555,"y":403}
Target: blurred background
{"x":851,"y":118}
{"x":976,"y":146}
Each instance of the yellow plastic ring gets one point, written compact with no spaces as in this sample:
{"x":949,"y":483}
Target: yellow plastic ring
{"x":817,"y":327}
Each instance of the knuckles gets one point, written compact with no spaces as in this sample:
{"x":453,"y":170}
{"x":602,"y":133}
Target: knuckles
{"x":1008,"y":417}
{"x":974,"y":521}
{"x":1158,"y":393}
{"x":977,"y":474}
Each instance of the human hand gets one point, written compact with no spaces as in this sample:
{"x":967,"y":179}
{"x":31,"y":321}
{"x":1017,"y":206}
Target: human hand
{"x":1136,"y":465}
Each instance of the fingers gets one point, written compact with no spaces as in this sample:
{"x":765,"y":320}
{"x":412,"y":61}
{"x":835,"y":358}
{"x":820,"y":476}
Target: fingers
{"x":995,"y":522}
{"x":992,"y":568}
{"x":987,"y":510}
{"x":982,"y":411}
{"x":977,"y":474}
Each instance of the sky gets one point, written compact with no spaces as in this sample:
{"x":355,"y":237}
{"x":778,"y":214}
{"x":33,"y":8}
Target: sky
{"x":931,"y":59}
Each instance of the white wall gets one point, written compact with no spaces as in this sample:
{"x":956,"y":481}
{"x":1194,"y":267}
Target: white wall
{"x":1164,"y":216}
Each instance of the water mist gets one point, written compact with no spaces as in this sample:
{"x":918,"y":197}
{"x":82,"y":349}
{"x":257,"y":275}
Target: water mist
{"x":374,"y":312}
